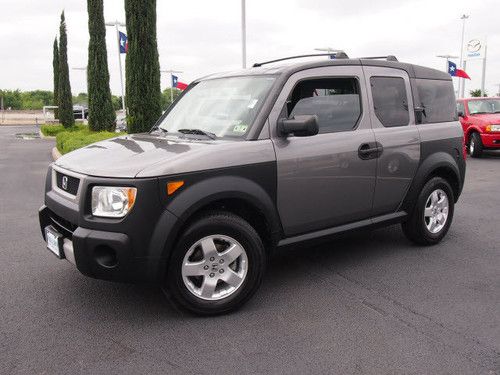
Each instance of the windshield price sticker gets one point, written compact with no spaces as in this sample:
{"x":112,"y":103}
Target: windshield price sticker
{"x":240,"y":128}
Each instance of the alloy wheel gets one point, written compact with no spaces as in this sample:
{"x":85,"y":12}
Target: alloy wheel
{"x":214,"y":267}
{"x":436,"y":211}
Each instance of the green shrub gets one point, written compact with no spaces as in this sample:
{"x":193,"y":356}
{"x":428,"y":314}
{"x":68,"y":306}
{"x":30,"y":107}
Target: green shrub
{"x":68,"y":141}
{"x":50,"y":130}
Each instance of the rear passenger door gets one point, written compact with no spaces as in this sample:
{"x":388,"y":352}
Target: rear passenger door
{"x":393,"y":122}
{"x":322,"y":180}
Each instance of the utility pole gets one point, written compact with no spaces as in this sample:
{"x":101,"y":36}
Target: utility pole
{"x":461,"y":81}
{"x":116,"y":24}
{"x":243,"y":34}
{"x":171,"y":72}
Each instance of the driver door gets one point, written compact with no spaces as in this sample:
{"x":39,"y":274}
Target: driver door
{"x":325,"y":180}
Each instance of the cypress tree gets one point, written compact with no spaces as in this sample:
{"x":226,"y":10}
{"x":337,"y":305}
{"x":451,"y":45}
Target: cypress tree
{"x":143,"y":93}
{"x":55,"y":68}
{"x":101,"y":113}
{"x":65,"y":99}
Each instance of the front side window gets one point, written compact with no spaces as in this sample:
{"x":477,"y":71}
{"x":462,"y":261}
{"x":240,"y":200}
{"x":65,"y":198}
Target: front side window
{"x":437,"y":100}
{"x":484,"y":106}
{"x":335,"y":101}
{"x":226,"y":107}
{"x":390,"y":101}
{"x":461,"y":108}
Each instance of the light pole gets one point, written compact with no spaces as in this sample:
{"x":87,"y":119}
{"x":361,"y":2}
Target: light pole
{"x":171,"y":71}
{"x":116,"y":24}
{"x":333,"y":51}
{"x":243,"y":34}
{"x":461,"y":82}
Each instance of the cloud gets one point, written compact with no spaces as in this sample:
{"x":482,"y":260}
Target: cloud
{"x":201,"y":37}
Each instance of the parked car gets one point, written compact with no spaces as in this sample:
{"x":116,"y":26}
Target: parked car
{"x":480,"y":119}
{"x":249,"y":161}
{"x":80,"y":112}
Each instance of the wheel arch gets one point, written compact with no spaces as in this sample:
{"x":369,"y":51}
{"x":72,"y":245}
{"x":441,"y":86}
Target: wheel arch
{"x":439,"y":164}
{"x":471,"y":130}
{"x":238,"y":195}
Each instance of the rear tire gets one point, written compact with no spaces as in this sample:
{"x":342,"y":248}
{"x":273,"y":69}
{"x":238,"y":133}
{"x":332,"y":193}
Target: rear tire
{"x":432,"y":215}
{"x":216,"y":266}
{"x":475,"y":145}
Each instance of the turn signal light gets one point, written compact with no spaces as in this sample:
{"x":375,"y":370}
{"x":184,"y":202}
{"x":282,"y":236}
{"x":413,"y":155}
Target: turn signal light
{"x":173,"y":186}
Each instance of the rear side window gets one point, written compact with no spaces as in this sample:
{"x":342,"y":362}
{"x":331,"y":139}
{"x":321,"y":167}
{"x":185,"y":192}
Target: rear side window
{"x":335,"y":101}
{"x":437,"y":98}
{"x":390,"y":101}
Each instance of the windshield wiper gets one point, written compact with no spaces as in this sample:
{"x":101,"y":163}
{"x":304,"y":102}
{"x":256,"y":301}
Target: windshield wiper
{"x":198,"y":132}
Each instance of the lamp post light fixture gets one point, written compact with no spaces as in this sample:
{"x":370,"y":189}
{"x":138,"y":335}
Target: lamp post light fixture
{"x":330,"y":50}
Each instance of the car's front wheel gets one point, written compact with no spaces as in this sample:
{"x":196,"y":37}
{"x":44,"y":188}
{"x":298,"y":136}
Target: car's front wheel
{"x":432,"y":215}
{"x":217,"y":265}
{"x":475,"y":145}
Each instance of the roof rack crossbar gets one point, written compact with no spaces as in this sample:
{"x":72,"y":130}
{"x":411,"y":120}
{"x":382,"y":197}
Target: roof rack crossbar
{"x":388,"y":58}
{"x":338,"y":55}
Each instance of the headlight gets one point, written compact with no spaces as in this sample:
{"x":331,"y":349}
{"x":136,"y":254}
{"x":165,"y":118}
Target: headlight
{"x":493,"y":128}
{"x":112,"y":201}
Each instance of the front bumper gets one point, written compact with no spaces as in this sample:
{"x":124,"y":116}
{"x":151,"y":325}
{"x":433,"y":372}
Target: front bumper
{"x":491,"y":140}
{"x":132,"y":249}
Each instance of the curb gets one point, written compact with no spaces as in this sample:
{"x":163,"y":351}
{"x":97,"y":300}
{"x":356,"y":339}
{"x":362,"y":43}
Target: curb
{"x":55,"y":154}
{"x":45,"y":136}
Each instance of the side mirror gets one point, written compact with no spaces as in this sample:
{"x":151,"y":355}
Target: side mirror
{"x":300,"y":126}
{"x":460,"y":114}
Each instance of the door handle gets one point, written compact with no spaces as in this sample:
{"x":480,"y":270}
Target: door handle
{"x":369,"y":151}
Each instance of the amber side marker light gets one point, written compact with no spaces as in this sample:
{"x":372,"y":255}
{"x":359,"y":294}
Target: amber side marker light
{"x":173,"y":186}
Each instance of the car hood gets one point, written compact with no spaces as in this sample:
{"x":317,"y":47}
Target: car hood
{"x":488,"y":118}
{"x":146,"y":155}
{"x":127,"y":156}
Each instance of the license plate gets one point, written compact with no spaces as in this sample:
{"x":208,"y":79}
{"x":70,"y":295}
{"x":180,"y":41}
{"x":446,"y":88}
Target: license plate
{"x":54,"y":241}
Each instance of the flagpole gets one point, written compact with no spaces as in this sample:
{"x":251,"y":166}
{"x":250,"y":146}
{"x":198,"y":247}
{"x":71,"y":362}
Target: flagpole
{"x":171,"y":72}
{"x":116,"y":24}
{"x":448,"y":57}
{"x":171,"y":87}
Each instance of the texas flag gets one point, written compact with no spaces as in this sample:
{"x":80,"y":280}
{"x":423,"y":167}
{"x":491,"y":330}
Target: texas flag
{"x":123,"y":43}
{"x":177,"y":84}
{"x":454,"y":72}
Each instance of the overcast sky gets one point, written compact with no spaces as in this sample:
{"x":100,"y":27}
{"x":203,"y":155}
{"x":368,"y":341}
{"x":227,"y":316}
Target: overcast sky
{"x":200,"y":37}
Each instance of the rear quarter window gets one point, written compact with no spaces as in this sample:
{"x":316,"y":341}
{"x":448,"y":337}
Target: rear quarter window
{"x":437,"y":98}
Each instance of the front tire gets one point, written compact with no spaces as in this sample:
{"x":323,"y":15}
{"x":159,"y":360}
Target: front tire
{"x":475,"y":146}
{"x":216,"y":266}
{"x":432,"y":215}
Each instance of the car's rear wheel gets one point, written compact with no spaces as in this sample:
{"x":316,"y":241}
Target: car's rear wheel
{"x":217,"y":265}
{"x":475,"y":145}
{"x":433,"y":213}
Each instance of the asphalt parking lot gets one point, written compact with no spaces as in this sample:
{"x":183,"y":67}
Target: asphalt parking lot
{"x":365,"y":303}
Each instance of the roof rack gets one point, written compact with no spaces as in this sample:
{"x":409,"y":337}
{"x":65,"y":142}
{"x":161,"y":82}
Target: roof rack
{"x":388,"y":58}
{"x":338,"y":55}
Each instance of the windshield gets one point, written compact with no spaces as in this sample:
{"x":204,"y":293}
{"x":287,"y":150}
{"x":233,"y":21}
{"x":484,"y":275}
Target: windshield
{"x":224,"y":107}
{"x":484,"y":106}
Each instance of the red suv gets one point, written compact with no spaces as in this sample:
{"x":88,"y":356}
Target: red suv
{"x":480,"y":119}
